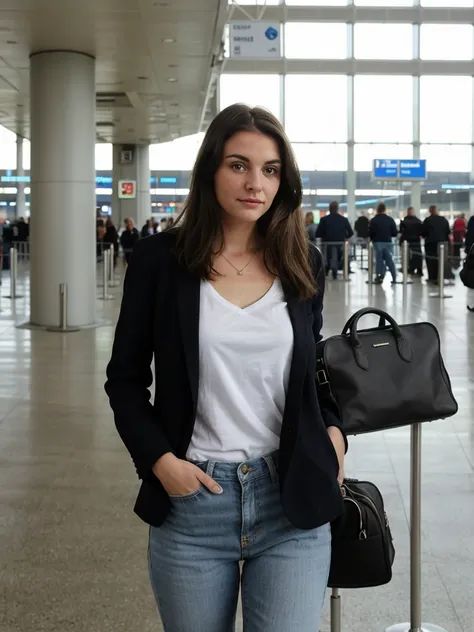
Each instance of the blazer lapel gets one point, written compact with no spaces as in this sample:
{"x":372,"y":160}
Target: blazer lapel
{"x":300,"y":319}
{"x":188,"y":295}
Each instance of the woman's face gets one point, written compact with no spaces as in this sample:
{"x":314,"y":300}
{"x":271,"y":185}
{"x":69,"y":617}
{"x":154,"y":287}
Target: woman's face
{"x":248,"y":177}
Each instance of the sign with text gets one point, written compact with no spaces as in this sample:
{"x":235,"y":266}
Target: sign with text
{"x":388,"y":169}
{"x":127,"y":189}
{"x":257,"y":39}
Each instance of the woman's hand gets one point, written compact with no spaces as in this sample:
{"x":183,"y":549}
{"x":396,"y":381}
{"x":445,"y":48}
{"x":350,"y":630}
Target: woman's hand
{"x":180,"y":478}
{"x":340,"y":447}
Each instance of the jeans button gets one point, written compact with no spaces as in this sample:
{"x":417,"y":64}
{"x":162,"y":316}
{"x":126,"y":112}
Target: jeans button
{"x":245,"y":469}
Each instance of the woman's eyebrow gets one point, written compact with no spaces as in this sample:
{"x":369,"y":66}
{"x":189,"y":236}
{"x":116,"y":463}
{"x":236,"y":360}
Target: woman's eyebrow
{"x":274,"y":161}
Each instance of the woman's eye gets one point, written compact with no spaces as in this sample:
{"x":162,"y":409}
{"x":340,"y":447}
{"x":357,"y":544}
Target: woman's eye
{"x":271,"y":171}
{"x":238,"y":166}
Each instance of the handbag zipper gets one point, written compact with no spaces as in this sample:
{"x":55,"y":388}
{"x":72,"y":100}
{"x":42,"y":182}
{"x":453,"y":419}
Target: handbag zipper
{"x":371,"y":502}
{"x":362,"y":531}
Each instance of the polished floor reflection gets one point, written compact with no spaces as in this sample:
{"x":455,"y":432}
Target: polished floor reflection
{"x":72,"y":553}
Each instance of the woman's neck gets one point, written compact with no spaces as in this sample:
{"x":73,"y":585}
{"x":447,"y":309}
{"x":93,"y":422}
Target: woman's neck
{"x":240,"y":238}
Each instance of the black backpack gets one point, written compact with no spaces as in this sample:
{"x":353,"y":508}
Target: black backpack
{"x":467,"y":273}
{"x":362,"y":547}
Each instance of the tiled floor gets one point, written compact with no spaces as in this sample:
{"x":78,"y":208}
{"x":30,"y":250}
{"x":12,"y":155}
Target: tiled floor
{"x":72,"y":553}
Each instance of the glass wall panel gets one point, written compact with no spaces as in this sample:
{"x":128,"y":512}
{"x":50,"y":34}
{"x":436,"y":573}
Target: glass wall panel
{"x":263,"y":90}
{"x":446,"y":109}
{"x":364,"y":155}
{"x":316,"y":3}
{"x":383,"y":108}
{"x":383,"y":3}
{"x":256,"y":2}
{"x":448,"y":4}
{"x":446,"y":41}
{"x":316,"y":40}
{"x":179,"y":154}
{"x":447,"y":157}
{"x":321,"y":157}
{"x":104,"y":157}
{"x":7,"y":148}
{"x":383,"y":41}
{"x":316,"y":108}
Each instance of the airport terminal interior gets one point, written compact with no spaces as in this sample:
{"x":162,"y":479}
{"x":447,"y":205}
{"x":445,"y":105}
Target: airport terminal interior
{"x":103,"y":107}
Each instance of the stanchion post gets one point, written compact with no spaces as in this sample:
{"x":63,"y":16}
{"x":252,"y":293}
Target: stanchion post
{"x":13,"y":273}
{"x":63,"y":313}
{"x":415,"y":624}
{"x":105,"y":276}
{"x":346,"y":260}
{"x":370,"y":262}
{"x":336,"y":618}
{"x":112,"y":282}
{"x":441,"y":263}
{"x":405,"y":256}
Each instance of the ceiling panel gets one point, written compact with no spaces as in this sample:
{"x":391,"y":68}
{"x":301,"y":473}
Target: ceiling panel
{"x":127,"y":39}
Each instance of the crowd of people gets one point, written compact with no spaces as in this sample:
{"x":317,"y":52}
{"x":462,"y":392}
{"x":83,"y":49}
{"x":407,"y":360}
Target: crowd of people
{"x":334,"y":229}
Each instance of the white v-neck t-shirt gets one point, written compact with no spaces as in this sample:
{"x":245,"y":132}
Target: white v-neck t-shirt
{"x":244,"y":367}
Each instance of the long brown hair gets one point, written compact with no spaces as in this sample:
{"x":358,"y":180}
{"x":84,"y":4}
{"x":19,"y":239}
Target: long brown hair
{"x":281,"y":229}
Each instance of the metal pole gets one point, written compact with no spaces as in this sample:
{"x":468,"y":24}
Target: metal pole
{"x":416,"y":624}
{"x":63,"y":324}
{"x":405,"y":262}
{"x":105,"y":277}
{"x":441,"y":262}
{"x":370,"y":262}
{"x":13,"y":273}
{"x":346,"y":260}
{"x":112,"y":281}
{"x":336,"y":618}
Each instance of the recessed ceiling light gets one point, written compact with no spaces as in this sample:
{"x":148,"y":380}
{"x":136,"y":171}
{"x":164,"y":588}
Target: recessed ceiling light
{"x":11,"y":42}
{"x":142,"y":78}
{"x":172,"y":65}
{"x":168,"y":40}
{"x":172,"y":79}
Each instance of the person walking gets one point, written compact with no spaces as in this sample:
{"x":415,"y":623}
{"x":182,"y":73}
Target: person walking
{"x":240,"y":458}
{"x":129,"y":238}
{"x":382,"y":230}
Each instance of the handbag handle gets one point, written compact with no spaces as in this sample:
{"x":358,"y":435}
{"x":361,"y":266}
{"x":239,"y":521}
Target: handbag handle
{"x":350,"y":327}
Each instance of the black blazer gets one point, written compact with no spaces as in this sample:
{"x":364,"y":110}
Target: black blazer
{"x":160,"y":317}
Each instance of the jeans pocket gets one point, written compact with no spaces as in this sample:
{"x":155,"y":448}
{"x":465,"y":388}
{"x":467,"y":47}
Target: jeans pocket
{"x":190,"y":496}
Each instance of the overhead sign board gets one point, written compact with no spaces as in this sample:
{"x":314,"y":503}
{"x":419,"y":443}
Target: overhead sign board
{"x":388,"y":169}
{"x":255,"y":39}
{"x":127,"y":189}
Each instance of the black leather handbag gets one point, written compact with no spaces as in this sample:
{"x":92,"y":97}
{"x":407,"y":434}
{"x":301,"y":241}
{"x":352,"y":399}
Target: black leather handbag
{"x":386,"y":377}
{"x":362,"y":548}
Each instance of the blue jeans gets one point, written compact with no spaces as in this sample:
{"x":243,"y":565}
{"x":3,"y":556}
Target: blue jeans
{"x":384,"y":259}
{"x":194,"y":557}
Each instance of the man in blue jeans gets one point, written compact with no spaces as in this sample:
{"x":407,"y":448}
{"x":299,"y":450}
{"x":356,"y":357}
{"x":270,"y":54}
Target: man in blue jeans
{"x":382,"y":231}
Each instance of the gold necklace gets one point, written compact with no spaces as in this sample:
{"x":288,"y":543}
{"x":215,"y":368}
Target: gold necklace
{"x":239,"y":272}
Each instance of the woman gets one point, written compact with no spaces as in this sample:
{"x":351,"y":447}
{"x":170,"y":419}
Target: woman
{"x":111,"y":237}
{"x":238,"y":460}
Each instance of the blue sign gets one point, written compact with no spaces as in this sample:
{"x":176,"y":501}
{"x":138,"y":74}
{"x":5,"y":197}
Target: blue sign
{"x":399,"y":169}
{"x":168,"y":180}
{"x":271,"y":33}
{"x":15,"y":178}
{"x":412,"y":169}
{"x":385,"y":169}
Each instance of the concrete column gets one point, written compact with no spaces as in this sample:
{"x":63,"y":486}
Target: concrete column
{"x":143,"y":185}
{"x":63,"y":234}
{"x":20,"y":186}
{"x":351,"y":174}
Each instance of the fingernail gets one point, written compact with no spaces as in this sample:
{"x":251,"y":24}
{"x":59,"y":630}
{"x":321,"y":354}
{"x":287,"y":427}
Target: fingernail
{"x":217,"y":489}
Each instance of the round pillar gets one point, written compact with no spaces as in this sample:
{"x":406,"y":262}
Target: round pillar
{"x":143,"y":185}
{"x":62,"y":233}
{"x":20,"y":186}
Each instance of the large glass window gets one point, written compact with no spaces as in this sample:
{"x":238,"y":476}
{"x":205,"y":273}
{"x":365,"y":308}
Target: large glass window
{"x":383,"y":3}
{"x":316,"y":40}
{"x":316,"y":108}
{"x":321,"y":157}
{"x":383,"y":108}
{"x":7,"y":148}
{"x":316,"y":3}
{"x":103,"y":157}
{"x":383,"y":41}
{"x":448,"y":4}
{"x":446,"y":41}
{"x":254,"y":90}
{"x":256,"y":2}
{"x":364,"y":155}
{"x":447,"y":157}
{"x":26,"y":154}
{"x":446,"y":109}
{"x":179,"y":154}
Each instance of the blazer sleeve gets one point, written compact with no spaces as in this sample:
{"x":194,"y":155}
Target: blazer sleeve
{"x":129,"y":374}
{"x":329,"y":410}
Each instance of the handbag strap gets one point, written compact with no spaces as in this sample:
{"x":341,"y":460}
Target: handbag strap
{"x":361,"y":357}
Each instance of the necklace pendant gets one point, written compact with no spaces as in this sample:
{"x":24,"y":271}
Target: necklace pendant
{"x":240,"y":272}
